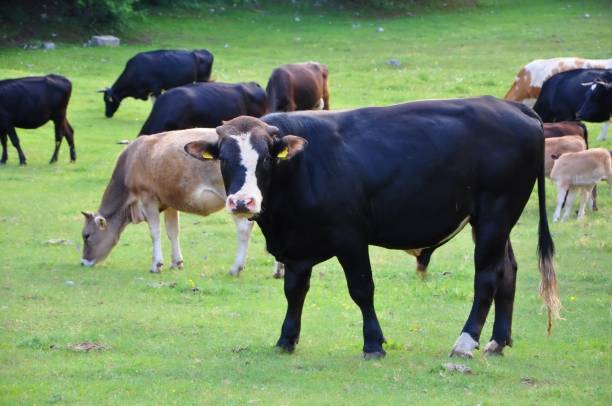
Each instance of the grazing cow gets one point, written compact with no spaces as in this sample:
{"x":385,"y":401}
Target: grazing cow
{"x":154,"y":174}
{"x":204,"y":105}
{"x":597,"y":106}
{"x":564,"y":94}
{"x":298,"y":86}
{"x":325,"y":184}
{"x":555,"y":147}
{"x":577,"y":173}
{"x":29,"y":103}
{"x":149,"y":73}
{"x":528,"y":82}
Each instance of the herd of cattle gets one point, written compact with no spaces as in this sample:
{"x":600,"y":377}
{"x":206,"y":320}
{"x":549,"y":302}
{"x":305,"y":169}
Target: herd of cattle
{"x":323,"y":184}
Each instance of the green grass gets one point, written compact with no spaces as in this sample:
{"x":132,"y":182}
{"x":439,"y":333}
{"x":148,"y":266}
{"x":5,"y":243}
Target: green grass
{"x":168,"y":345}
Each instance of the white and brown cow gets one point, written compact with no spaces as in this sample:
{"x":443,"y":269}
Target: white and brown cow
{"x":528,"y":82}
{"x":154,"y":174}
{"x":576,"y":173}
{"x":555,"y":147}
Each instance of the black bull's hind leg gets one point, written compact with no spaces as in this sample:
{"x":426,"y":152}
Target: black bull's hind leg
{"x":358,"y":272}
{"x":495,"y":277}
{"x":3,"y":140}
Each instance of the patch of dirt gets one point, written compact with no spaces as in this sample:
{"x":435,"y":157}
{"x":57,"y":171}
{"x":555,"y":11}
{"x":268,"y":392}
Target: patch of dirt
{"x":460,"y":368}
{"x":88,"y":346}
{"x":58,"y":241}
{"x":528,"y":381}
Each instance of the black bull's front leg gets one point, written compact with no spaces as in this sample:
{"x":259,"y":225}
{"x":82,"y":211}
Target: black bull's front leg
{"x":297,"y":283}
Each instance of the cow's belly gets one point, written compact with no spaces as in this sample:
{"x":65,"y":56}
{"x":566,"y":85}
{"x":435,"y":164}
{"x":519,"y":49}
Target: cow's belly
{"x":204,"y":200}
{"x":421,"y":234}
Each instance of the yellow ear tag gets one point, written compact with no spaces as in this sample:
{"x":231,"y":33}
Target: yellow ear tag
{"x":283,"y":153}
{"x":207,"y":155}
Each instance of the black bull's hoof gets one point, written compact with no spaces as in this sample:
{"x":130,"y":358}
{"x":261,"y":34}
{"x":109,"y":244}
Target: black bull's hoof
{"x":374,"y":355}
{"x":286,"y":345}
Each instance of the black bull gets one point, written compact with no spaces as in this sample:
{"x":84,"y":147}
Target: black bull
{"x":401,"y":177}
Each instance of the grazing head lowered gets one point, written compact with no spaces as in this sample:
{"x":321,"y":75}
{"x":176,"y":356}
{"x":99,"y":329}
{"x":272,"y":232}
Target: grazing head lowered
{"x":99,"y":238}
{"x":111,"y":101}
{"x":249,"y":151}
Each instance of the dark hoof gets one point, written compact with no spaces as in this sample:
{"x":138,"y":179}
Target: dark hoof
{"x":22,"y":163}
{"x":284,"y":350}
{"x":285,"y":345}
{"x":374,"y":355}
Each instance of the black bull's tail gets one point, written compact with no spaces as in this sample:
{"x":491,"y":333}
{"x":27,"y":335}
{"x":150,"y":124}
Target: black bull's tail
{"x":546,"y":250}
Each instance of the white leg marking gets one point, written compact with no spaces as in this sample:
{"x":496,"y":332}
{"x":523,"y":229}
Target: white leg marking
{"x":87,"y":262}
{"x":493,"y":348}
{"x":243,"y":230}
{"x":464,"y":346}
{"x":604,"y":131}
{"x":279,"y":270}
{"x":152,"y":216}
{"x":173,"y":228}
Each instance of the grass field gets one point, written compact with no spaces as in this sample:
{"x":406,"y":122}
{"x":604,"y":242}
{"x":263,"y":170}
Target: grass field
{"x":165,"y":344}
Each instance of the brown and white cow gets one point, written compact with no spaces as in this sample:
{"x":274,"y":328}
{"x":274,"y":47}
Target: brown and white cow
{"x":298,"y":86}
{"x":555,"y":147}
{"x":154,"y":174}
{"x":528,"y":82}
{"x":576,"y":173}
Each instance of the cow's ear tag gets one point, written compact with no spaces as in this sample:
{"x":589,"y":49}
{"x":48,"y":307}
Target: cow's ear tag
{"x":283,"y":153}
{"x":207,"y":155}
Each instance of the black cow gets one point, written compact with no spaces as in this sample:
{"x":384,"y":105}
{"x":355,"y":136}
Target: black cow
{"x":298,"y":86}
{"x":204,"y":105}
{"x":149,"y":73}
{"x":29,"y":103}
{"x":597,"y":105}
{"x":325,"y":184}
{"x":563,"y":95}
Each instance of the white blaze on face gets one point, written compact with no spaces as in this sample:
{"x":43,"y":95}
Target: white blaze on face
{"x":249,"y":190}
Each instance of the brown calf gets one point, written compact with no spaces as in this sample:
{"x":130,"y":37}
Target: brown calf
{"x":577,"y":173}
{"x":555,"y":147}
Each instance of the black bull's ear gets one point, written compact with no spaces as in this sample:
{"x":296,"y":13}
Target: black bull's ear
{"x":202,"y":150}
{"x":288,"y":146}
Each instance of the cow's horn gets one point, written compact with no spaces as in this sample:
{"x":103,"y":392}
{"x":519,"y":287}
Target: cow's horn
{"x":587,"y":83}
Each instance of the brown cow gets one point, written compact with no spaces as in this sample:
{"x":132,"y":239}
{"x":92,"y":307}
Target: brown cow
{"x":528,"y":82}
{"x":298,"y":86}
{"x":577,"y":173}
{"x":555,"y":147}
{"x":154,"y":174}
{"x":563,"y":128}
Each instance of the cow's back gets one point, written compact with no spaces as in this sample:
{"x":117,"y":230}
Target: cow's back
{"x":159,"y":168}
{"x":373,"y":168}
{"x":29,"y":102}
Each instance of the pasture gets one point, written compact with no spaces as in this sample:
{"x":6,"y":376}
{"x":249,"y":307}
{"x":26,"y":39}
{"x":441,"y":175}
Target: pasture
{"x":200,"y":336}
